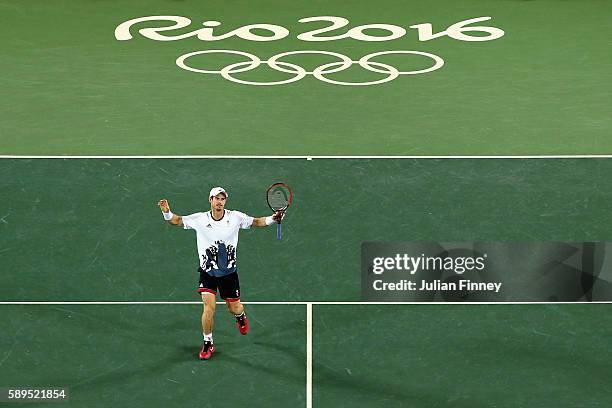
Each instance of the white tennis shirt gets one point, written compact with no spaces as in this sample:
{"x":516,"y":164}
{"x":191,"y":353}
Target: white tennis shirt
{"x":217,"y":239}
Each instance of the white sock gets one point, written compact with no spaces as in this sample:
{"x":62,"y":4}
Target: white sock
{"x":207,"y":337}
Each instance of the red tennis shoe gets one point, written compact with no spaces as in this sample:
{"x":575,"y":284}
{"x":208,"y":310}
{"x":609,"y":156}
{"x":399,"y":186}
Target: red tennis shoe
{"x":207,"y":349}
{"x":243,"y":324}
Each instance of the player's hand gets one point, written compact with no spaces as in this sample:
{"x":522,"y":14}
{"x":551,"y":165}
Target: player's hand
{"x":278,"y":216}
{"x":163,"y":205}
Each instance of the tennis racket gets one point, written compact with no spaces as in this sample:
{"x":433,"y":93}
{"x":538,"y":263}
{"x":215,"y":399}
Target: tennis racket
{"x":279,"y":199}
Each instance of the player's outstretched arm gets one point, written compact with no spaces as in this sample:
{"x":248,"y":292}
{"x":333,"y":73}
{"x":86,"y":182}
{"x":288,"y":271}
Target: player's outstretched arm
{"x":265,"y":221}
{"x":171,"y":218}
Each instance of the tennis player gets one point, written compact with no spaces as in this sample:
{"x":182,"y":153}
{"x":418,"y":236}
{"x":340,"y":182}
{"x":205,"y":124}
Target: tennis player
{"x":217,"y":239}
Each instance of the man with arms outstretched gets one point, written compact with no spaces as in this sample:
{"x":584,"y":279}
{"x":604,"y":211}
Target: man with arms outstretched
{"x":217,"y":239}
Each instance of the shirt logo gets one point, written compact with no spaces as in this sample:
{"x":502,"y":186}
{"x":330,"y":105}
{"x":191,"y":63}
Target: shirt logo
{"x":209,"y":226}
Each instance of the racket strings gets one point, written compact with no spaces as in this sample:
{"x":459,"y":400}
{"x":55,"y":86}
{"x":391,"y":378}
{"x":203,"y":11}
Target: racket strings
{"x":279,"y":198}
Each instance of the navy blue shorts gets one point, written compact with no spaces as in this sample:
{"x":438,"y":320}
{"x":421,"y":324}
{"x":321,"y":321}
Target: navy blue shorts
{"x":228,"y":285}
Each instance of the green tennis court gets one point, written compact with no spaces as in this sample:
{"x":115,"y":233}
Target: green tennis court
{"x":90,"y":230}
{"x":70,"y":87}
{"x":98,"y":234}
{"x":462,"y":356}
{"x":142,"y":355}
{"x":437,"y":78}
{"x":363,"y":355}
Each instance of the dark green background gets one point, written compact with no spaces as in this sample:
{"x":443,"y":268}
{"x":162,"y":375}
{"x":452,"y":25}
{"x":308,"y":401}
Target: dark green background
{"x":146,"y":356}
{"x":90,"y":229}
{"x":68,"y":87}
{"x":455,"y":355}
{"x":462,"y":356}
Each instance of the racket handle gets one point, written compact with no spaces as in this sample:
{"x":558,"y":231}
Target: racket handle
{"x":278,"y":231}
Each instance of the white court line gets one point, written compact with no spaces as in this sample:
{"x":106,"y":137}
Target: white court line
{"x":295,"y":303}
{"x":309,"y":355}
{"x":308,"y":317}
{"x":543,"y":156}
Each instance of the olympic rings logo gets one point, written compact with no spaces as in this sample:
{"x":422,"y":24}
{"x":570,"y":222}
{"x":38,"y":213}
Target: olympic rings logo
{"x":299,"y":72}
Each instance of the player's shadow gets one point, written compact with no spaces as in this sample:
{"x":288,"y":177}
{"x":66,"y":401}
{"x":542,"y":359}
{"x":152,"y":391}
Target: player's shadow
{"x":297,"y":354}
{"x":368,"y":385}
{"x":118,"y":376}
{"x":186,"y":353}
{"x":330,"y":377}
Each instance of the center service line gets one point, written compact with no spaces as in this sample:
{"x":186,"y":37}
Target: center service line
{"x":309,"y":355}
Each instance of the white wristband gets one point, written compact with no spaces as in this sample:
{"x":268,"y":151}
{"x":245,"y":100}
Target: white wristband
{"x":168,"y":215}
{"x":270,"y":220}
